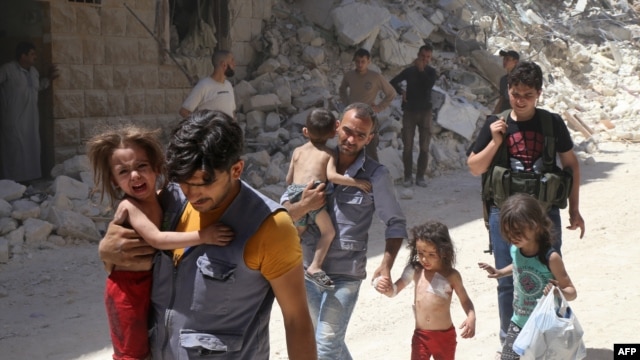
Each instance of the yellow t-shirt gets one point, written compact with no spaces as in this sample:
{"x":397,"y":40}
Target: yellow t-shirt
{"x":273,"y":250}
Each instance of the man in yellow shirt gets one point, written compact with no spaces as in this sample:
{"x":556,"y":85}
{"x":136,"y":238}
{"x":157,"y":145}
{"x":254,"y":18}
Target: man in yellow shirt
{"x":217,"y":300}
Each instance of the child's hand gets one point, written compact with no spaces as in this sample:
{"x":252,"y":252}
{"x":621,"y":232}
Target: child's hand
{"x":468,"y":328}
{"x":364,"y":185}
{"x":383,"y":285}
{"x":552,"y":283}
{"x":493,"y":273}
{"x":217,"y":234}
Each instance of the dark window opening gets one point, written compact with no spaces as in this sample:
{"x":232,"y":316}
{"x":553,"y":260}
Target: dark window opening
{"x":198,"y":27}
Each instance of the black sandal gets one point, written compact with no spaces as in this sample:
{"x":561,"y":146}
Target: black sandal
{"x":321,"y":279}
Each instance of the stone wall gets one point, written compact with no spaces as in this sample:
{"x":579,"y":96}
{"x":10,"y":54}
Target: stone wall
{"x":112,"y":71}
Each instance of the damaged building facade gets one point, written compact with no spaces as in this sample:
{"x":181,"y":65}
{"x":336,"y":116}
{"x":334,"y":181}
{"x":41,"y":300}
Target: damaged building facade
{"x":124,"y":61}
{"x":135,"y":61}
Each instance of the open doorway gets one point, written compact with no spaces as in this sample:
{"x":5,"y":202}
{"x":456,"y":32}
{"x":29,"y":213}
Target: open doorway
{"x":28,"y":20}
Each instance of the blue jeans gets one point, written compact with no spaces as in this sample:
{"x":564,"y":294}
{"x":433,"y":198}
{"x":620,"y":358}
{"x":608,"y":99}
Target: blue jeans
{"x":330,"y":312}
{"x":502,"y":257}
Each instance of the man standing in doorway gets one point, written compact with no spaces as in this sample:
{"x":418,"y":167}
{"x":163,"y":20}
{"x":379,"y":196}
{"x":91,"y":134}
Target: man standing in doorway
{"x":20,"y":83}
{"x":351,"y":211}
{"x":510,"y":59}
{"x":417,"y":112}
{"x":363,"y":85}
{"x":214,"y":92}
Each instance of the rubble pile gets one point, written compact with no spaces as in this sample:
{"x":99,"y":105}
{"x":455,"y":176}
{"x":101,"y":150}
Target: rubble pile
{"x":588,"y":49}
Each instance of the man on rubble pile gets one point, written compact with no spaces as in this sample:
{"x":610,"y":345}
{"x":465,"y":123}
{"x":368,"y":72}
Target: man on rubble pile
{"x":214,"y":92}
{"x":362,"y":85}
{"x":510,"y":59}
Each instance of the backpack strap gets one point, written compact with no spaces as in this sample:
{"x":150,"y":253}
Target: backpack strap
{"x":502,"y":156}
{"x":549,"y":148}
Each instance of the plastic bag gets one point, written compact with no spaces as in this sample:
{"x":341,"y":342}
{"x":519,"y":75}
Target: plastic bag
{"x":552,"y":331}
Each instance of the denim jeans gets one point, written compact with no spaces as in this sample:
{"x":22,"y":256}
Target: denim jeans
{"x":502,"y":258}
{"x":330,"y":312}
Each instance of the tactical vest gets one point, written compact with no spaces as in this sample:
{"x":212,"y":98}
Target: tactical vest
{"x":211,"y":305}
{"x":552,"y":186}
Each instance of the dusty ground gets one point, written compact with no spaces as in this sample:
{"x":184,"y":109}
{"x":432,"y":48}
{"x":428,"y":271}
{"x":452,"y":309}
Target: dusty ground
{"x":51,"y":300}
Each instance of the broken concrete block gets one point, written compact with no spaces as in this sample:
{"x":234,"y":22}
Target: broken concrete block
{"x":7,"y":225}
{"x":24,"y":209}
{"x":266,"y":102}
{"x":11,"y":190}
{"x":354,"y":22}
{"x":5,"y":208}
{"x":36,"y":231}
{"x":72,"y":224}
{"x":70,"y":187}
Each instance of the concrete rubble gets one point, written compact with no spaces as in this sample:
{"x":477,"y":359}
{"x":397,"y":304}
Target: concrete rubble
{"x":588,"y":49}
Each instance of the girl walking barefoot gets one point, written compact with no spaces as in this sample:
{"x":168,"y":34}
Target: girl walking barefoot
{"x":430,"y":266}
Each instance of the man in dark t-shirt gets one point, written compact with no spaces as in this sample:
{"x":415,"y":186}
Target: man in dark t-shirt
{"x":523,"y":134}
{"x":416,"y":112}
{"x":510,"y":59}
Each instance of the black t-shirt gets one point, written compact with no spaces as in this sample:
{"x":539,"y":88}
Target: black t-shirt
{"x":525,"y":140}
{"x":419,"y":86}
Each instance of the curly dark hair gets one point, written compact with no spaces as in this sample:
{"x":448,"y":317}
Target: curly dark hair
{"x":207,"y":141}
{"x":436,"y":233}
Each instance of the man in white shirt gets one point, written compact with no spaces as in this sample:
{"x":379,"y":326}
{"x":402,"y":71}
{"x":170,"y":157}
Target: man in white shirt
{"x":20,"y":84}
{"x":214,"y":92}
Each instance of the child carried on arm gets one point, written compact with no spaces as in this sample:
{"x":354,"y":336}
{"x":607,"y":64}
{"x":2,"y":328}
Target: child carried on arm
{"x":316,"y":162}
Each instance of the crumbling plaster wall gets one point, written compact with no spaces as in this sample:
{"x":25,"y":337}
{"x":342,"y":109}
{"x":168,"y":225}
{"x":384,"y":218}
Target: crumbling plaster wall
{"x":246,"y":26}
{"x":112,"y":71}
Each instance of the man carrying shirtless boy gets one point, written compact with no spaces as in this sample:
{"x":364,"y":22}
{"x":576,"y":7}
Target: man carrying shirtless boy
{"x":315,"y":163}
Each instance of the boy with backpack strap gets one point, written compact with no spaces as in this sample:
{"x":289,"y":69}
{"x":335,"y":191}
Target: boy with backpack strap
{"x":515,"y":152}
